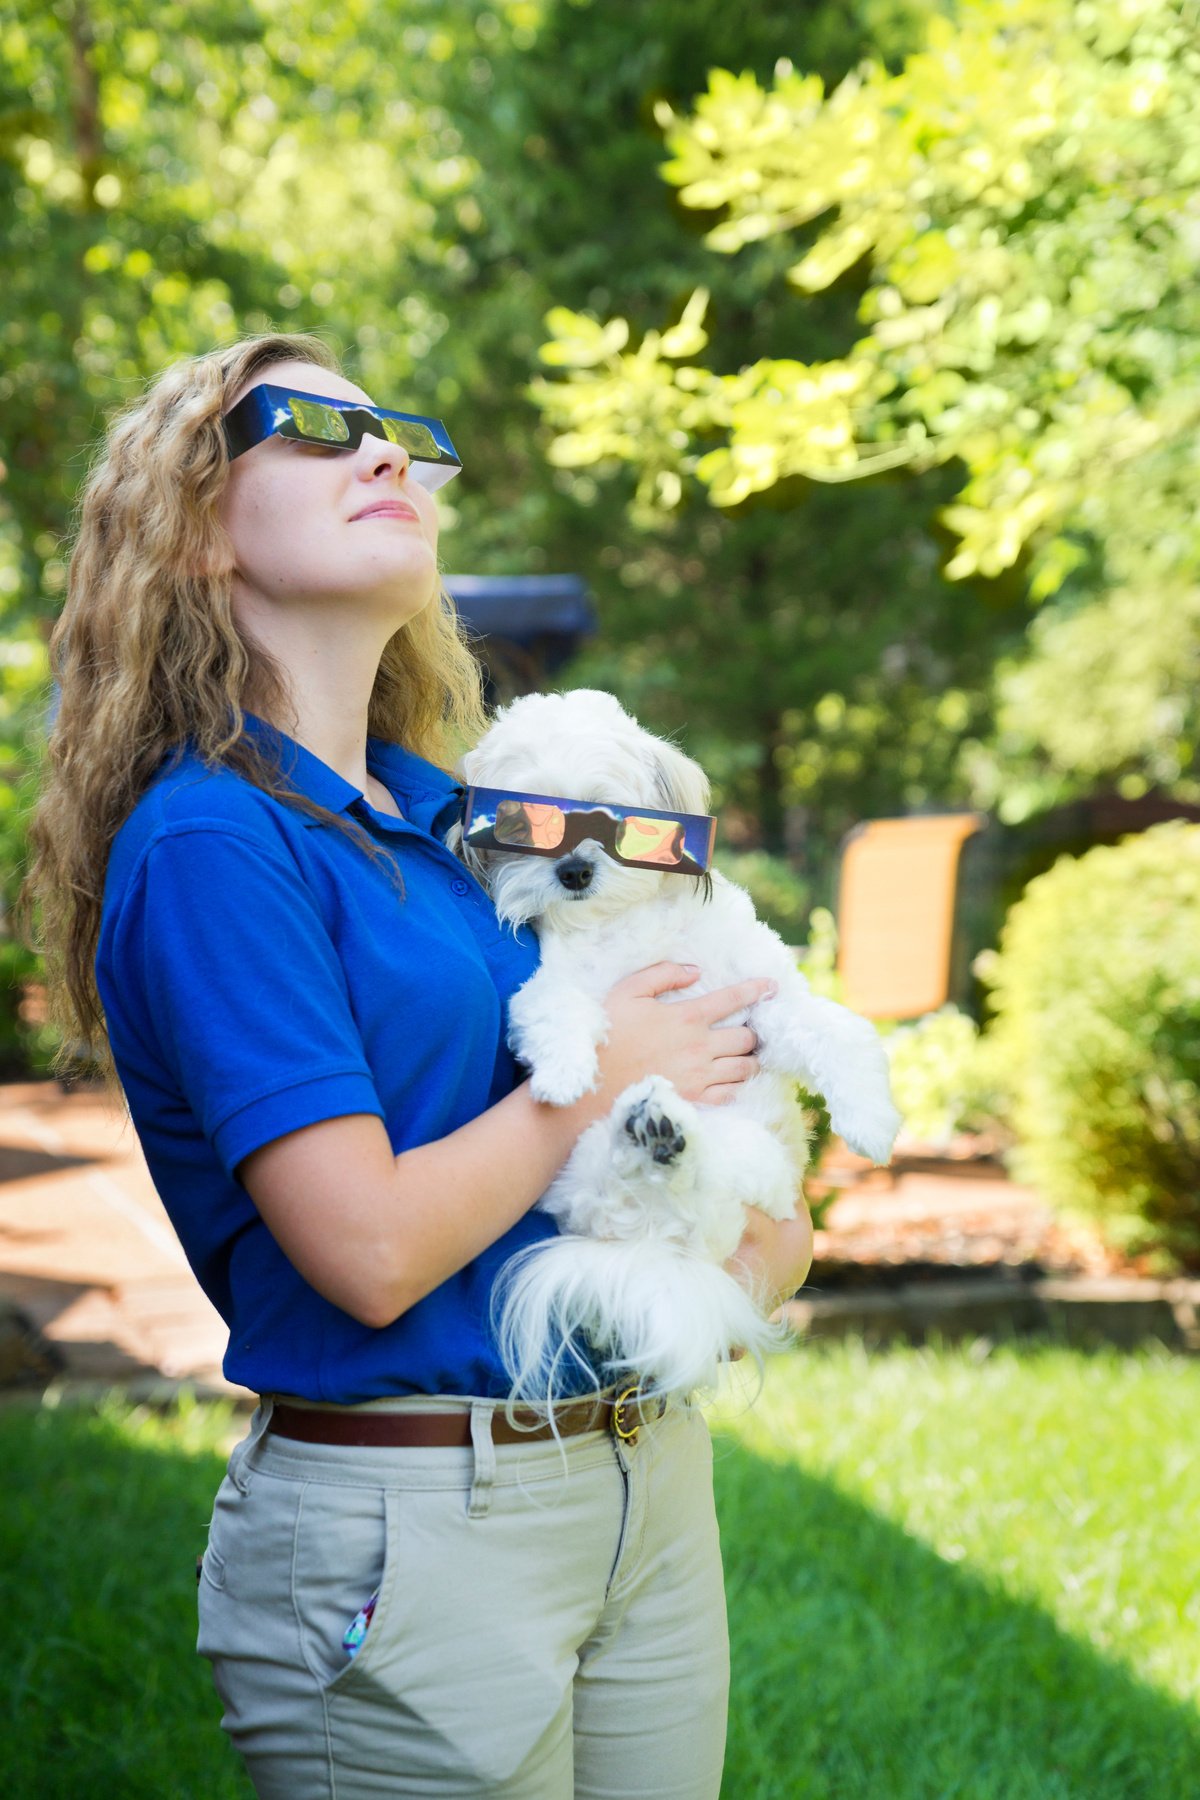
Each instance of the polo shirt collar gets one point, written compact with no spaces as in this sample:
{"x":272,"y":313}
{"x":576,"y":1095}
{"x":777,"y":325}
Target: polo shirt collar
{"x":430,"y":798}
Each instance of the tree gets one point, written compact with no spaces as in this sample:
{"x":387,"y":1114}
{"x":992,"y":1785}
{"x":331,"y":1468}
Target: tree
{"x":804,"y":649}
{"x":1022,"y":202}
{"x":420,"y":182}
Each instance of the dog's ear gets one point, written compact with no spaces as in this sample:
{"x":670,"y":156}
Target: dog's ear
{"x":682,"y":783}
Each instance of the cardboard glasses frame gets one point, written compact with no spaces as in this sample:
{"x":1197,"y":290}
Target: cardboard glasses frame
{"x":268,"y":411}
{"x":550,"y":825}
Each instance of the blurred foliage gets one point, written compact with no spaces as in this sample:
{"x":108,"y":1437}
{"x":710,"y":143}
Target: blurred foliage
{"x":781,"y":898}
{"x":171,"y":182}
{"x":941,"y":1076}
{"x":818,"y":963}
{"x":818,"y":957}
{"x":802,"y":649}
{"x":1096,"y":990}
{"x":421,"y":183}
{"x":1105,"y":694}
{"x":1022,"y":202}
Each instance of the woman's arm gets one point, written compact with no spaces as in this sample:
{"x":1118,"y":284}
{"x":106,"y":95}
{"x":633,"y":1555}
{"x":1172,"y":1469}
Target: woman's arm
{"x":374,"y":1233}
{"x":774,"y":1256}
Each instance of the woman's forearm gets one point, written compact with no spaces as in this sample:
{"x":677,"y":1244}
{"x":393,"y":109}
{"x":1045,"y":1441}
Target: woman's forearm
{"x":375,"y":1232}
{"x":461,"y":1193}
{"x":774,"y":1256}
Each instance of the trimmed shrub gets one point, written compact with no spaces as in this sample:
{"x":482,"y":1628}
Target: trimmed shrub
{"x":1096,"y":990}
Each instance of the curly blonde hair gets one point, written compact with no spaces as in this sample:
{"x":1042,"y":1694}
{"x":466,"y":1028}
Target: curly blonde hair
{"x":147,"y":652}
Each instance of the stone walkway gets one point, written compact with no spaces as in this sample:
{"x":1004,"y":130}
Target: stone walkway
{"x":947,"y":1207}
{"x":88,"y":1258}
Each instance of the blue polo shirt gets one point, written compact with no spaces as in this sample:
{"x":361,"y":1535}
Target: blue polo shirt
{"x":259,"y":973}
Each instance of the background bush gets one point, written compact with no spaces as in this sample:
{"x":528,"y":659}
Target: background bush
{"x":942,"y":1079}
{"x":1096,"y":990}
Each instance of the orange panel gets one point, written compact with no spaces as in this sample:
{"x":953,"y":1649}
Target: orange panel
{"x":896,"y":912}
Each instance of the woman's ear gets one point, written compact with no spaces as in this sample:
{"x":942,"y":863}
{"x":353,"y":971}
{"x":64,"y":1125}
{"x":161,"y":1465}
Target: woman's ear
{"x":682,"y":783}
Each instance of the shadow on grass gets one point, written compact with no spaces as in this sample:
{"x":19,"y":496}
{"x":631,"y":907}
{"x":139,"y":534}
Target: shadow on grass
{"x":101,"y":1692}
{"x":866,"y":1667}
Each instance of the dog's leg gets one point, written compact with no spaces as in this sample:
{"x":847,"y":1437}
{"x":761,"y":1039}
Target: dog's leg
{"x":554,"y":1029}
{"x":660,"y":1167}
{"x":630,"y":1173}
{"x":836,"y":1054}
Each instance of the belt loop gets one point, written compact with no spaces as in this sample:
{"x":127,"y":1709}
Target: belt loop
{"x":258,"y":1425}
{"x":483,"y":1459}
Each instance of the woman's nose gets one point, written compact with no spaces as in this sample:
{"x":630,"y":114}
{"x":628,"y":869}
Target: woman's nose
{"x":380,"y":454}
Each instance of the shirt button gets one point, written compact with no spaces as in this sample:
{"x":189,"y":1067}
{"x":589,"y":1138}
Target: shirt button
{"x":459,"y":886}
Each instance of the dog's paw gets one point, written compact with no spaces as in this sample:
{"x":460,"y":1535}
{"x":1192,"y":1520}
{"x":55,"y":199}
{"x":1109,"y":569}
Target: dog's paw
{"x":658,"y":1123}
{"x":870,"y":1131}
{"x":558,"y":1084}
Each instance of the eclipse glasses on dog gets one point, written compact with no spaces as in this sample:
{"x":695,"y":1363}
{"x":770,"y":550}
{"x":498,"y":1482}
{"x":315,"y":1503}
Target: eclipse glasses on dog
{"x":548,"y":825}
{"x":268,"y":411}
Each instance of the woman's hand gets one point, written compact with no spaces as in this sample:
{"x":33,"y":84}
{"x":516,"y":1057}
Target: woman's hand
{"x":678,"y":1041}
{"x":774,"y":1256}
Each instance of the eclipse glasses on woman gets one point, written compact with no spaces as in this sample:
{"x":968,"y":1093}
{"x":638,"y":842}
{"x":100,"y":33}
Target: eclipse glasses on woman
{"x":268,"y":411}
{"x":549,"y":825}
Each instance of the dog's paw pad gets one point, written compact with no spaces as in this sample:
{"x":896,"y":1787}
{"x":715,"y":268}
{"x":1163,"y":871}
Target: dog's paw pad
{"x":653,"y":1130}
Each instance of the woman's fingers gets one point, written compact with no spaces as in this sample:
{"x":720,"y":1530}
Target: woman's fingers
{"x":661,"y":978}
{"x":723,"y":1001}
{"x":724,"y":1069}
{"x":679,"y":1040}
{"x":721,"y":1094}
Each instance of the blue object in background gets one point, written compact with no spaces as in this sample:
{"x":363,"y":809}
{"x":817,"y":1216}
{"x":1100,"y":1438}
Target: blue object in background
{"x":530,"y":625}
{"x":525,"y":607}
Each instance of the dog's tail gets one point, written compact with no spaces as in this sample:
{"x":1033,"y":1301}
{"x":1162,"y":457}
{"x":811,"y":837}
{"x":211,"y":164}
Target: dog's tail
{"x":627,"y":1310}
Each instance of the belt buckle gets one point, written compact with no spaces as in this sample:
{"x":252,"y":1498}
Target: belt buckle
{"x":621,"y":1424}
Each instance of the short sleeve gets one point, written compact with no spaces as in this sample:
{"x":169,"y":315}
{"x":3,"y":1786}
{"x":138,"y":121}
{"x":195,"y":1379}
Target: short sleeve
{"x":244,"y":990}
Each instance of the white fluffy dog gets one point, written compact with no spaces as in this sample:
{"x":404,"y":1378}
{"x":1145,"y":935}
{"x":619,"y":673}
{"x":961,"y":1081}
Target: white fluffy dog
{"x":651,"y":1201}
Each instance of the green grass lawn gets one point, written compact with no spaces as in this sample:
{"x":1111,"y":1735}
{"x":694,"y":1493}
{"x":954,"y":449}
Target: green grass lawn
{"x":948,"y":1579}
{"x":951,"y":1577}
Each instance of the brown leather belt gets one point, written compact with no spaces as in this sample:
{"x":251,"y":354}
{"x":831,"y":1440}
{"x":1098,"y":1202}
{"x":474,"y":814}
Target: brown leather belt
{"x":619,"y":1414}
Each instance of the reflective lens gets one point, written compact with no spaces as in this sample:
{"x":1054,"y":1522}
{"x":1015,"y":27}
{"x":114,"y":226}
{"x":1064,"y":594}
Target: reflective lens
{"x":527,"y":823}
{"x":650,"y":840}
{"x":324,"y":423}
{"x":417,"y":439}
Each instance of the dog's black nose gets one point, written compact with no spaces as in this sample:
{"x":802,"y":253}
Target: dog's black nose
{"x":575,"y":872}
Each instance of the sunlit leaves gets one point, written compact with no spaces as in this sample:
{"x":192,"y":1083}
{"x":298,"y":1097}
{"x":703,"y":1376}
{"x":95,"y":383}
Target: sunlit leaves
{"x":579,"y":342}
{"x":1025,"y":194}
{"x":777,"y":417}
{"x":171,"y":179}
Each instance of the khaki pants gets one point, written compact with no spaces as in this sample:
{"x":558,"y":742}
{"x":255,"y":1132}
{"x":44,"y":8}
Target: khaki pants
{"x":540,"y":1630}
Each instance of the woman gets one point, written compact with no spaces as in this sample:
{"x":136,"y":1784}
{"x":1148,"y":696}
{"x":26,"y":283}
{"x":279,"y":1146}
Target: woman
{"x":250,"y":917}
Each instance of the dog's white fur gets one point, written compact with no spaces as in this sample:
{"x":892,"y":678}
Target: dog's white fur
{"x":638,"y":1270}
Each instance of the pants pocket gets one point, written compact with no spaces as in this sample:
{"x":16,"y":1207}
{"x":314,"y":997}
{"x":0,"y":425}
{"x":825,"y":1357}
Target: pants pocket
{"x":344,"y":1553}
{"x":221,"y":1527}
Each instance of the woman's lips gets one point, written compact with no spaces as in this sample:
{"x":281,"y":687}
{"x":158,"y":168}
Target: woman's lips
{"x":387,"y":509}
